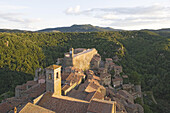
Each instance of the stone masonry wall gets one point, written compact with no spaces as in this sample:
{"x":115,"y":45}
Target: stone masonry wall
{"x":82,"y":60}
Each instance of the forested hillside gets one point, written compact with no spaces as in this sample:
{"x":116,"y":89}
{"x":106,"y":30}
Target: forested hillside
{"x":79,"y":28}
{"x":144,"y":56}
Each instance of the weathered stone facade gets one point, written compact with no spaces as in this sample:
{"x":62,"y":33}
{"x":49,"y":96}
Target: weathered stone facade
{"x":53,"y":79}
{"x":79,"y":60}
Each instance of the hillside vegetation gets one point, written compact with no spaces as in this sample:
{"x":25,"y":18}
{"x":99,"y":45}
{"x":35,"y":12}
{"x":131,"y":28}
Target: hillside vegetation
{"x":144,"y":56}
{"x":79,"y":28}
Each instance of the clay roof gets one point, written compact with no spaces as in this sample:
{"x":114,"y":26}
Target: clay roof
{"x":91,"y":87}
{"x":96,"y":77}
{"x":126,"y":95}
{"x":29,"y":107}
{"x":107,"y":98}
{"x":93,"y":95}
{"x":74,"y":77}
{"x":77,"y":94}
{"x":108,"y":59}
{"x":23,"y":87}
{"x":118,"y":67}
{"x":117,"y":79}
{"x":53,"y":67}
{"x":83,"y":86}
{"x":103,"y":75}
{"x":31,"y":82}
{"x":63,"y":104}
{"x":65,"y":87}
{"x":124,"y":76}
{"x":94,"y":81}
{"x":111,"y":63}
{"x":10,"y":104}
{"x":89,"y":72}
{"x":64,"y":76}
{"x":5,"y":107}
{"x":100,"y":106}
{"x":36,"y":90}
{"x":127,"y":86}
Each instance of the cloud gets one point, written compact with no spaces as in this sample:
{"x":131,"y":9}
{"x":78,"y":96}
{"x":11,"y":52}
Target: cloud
{"x":17,"y":17}
{"x":128,"y":16}
{"x":72,"y":10}
{"x":12,"y":14}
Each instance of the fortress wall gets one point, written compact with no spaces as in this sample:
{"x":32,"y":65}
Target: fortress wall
{"x":82,"y":61}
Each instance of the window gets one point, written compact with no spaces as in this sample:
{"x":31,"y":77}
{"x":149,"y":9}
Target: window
{"x":50,"y":76}
{"x":57,"y":75}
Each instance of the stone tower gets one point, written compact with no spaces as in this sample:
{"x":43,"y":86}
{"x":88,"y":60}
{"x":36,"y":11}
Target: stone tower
{"x":53,"y":79}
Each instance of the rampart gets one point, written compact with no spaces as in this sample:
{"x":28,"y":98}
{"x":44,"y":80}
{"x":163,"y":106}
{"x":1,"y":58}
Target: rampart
{"x":82,"y":60}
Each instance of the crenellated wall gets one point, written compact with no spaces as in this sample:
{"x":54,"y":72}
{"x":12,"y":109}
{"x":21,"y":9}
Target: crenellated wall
{"x":82,"y":60}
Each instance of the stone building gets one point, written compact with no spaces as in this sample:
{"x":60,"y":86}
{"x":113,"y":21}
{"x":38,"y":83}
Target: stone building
{"x":95,"y":62}
{"x":73,"y":80}
{"x":118,"y":70}
{"x":20,"y":89}
{"x":53,"y":79}
{"x":117,"y":82}
{"x":53,"y":101}
{"x":102,"y":70}
{"x":85,"y":94}
{"x":105,"y":78}
{"x":79,"y":58}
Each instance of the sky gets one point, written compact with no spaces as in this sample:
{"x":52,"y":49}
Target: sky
{"x":119,"y":14}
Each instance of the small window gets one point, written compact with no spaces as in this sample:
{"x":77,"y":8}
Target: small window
{"x":50,"y":76}
{"x":57,"y":75}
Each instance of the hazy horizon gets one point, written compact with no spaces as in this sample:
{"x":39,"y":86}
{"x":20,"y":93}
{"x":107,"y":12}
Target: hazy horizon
{"x":123,"y":14}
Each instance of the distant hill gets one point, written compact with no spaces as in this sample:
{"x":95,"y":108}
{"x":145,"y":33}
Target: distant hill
{"x":13,"y":31}
{"x":79,"y":28}
{"x":163,"y":32}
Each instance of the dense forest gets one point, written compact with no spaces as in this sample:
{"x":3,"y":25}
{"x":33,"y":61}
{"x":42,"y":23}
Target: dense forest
{"x":144,"y":56}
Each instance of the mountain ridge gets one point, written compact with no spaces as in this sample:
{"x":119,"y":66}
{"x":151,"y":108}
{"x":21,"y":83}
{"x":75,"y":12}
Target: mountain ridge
{"x":79,"y":28}
{"x":86,"y":28}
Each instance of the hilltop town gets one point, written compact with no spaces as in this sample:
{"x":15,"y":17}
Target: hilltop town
{"x":81,"y":82}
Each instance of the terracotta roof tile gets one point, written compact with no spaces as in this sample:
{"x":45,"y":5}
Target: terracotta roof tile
{"x":35,"y":90}
{"x":77,"y":94}
{"x":64,"y":76}
{"x":124,"y":76}
{"x":63,"y":104}
{"x":74,"y":77}
{"x":65,"y":87}
{"x":118,"y":67}
{"x":23,"y":87}
{"x":29,"y":107}
{"x":103,"y":75}
{"x":91,"y":87}
{"x":31,"y":82}
{"x":5,"y":107}
{"x":108,"y":59}
{"x":93,"y":95}
{"x":100,"y":106}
